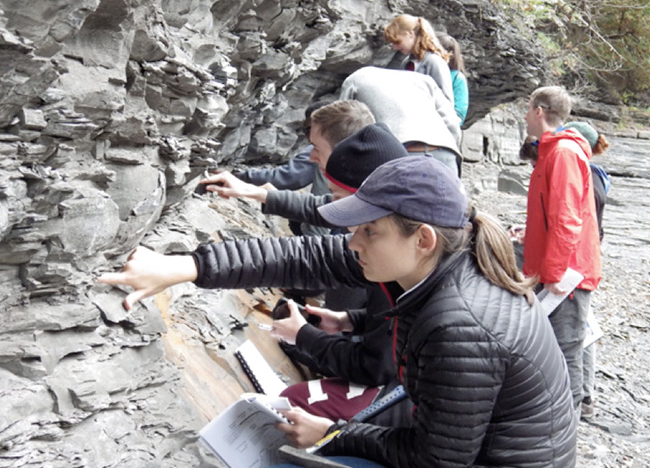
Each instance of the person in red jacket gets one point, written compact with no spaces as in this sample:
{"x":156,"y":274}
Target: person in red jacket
{"x":561,"y":225}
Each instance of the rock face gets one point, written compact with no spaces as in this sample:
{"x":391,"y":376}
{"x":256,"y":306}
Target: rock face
{"x":109,"y":112}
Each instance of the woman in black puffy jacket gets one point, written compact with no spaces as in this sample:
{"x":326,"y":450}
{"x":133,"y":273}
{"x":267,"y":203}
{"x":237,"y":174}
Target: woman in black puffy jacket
{"x":472,"y":349}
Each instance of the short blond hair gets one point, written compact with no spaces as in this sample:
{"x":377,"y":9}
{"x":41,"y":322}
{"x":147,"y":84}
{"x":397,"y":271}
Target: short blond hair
{"x":340,"y":119}
{"x":555,"y":101}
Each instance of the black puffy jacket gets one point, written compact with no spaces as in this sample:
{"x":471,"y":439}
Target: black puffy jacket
{"x":483,"y":368}
{"x":365,"y":360}
{"x":368,"y":362}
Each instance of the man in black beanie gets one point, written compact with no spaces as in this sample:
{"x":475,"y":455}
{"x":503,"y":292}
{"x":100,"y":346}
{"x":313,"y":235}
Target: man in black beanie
{"x":329,"y":125}
{"x":352,"y":346}
{"x":351,"y":161}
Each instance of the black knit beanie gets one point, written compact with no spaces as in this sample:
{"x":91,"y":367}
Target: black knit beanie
{"x":354,"y":158}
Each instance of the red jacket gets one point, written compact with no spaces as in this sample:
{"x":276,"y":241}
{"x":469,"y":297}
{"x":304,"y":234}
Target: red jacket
{"x":561,"y":227}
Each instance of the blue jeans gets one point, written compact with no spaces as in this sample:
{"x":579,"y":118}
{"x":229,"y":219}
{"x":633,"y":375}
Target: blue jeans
{"x":352,"y":462}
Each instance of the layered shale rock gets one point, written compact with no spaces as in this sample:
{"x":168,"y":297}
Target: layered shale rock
{"x":110,"y":110}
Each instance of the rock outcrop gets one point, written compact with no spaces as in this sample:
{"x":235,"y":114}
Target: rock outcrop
{"x":109,"y":112}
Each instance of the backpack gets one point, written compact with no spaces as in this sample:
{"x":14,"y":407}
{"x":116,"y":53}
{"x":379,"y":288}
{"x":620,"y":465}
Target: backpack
{"x":604,"y":176}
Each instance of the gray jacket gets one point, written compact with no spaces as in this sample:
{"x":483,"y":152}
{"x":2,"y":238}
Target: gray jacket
{"x":436,"y":67}
{"x":296,"y":206}
{"x":410,"y":104}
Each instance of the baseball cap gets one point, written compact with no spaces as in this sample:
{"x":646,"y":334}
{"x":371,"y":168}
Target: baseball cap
{"x":417,"y":187}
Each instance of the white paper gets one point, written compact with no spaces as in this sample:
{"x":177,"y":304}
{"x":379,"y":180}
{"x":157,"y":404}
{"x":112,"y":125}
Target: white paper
{"x":244,"y":434}
{"x":266,"y":377}
{"x":569,"y":282}
{"x":594,"y":332}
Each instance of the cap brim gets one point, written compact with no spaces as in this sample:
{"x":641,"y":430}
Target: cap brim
{"x":351,"y":211}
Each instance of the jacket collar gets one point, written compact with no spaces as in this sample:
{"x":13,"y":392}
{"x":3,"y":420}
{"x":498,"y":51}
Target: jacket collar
{"x":551,"y":139}
{"x":419,"y":294}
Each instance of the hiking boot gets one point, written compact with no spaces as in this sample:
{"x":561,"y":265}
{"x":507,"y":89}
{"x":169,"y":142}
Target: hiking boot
{"x":587,"y":409}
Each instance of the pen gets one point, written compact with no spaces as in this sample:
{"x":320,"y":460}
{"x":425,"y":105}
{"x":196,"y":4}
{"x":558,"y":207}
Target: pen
{"x":324,"y":441}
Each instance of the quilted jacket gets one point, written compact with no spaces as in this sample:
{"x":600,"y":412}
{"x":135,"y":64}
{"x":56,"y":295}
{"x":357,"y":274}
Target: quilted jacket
{"x":483,"y":368}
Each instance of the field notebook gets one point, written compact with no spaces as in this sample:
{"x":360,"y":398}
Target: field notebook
{"x":244,"y":434}
{"x":264,"y":379}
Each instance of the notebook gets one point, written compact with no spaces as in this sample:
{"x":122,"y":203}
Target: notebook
{"x":569,"y":282}
{"x":244,"y":434}
{"x":264,"y":379}
{"x":594,"y":332}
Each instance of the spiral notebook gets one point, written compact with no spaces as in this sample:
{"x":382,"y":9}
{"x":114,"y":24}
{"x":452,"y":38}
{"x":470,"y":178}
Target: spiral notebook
{"x":264,"y":379}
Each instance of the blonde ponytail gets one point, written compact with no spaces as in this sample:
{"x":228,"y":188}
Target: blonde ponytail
{"x":425,"y":36}
{"x":427,"y":41}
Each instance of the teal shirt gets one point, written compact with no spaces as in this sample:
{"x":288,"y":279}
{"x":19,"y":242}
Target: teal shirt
{"x":461,"y":94}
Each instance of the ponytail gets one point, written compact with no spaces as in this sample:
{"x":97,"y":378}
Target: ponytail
{"x":496,"y":257}
{"x":601,"y":145}
{"x":425,"y":37}
{"x":427,"y":41}
{"x":490,"y":245}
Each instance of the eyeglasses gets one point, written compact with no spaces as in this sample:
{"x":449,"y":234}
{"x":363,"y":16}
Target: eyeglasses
{"x":541,"y":106}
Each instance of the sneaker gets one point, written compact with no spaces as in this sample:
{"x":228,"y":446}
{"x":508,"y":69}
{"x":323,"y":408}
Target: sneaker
{"x":586,"y":409}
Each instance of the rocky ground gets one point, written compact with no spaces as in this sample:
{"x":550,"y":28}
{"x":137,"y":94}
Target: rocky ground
{"x":619,"y":433}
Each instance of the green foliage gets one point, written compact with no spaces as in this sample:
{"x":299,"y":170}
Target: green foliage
{"x":558,"y":59}
{"x":595,"y":45}
{"x":624,"y":25}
